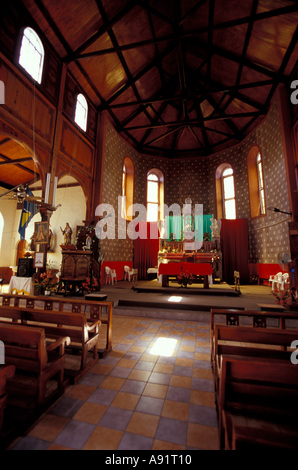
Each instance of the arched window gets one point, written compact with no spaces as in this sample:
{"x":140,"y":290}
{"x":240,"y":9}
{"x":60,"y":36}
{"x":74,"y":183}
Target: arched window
{"x":155,"y":195}
{"x":31,"y":55}
{"x":225,"y":192}
{"x":261,"y":184}
{"x":256,"y":182}
{"x":127,"y":187}
{"x":81,"y":112}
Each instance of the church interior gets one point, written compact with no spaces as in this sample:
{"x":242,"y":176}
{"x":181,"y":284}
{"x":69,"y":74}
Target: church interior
{"x":148,"y":225}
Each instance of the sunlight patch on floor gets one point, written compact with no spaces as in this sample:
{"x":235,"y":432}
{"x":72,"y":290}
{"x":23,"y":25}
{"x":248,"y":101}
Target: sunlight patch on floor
{"x":164,"y":347}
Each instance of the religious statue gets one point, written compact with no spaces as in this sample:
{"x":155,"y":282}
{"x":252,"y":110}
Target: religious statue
{"x":67,"y":232}
{"x":88,"y":243}
{"x":215,"y":230}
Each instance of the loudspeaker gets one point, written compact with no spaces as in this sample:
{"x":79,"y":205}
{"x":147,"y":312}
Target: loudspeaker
{"x":25,"y":267}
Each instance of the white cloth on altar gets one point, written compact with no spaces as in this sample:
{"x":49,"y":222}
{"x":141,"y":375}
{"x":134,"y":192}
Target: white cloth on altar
{"x":21,"y":285}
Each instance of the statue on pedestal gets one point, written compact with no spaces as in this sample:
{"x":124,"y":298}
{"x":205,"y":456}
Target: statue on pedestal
{"x":215,"y":230}
{"x":67,"y":232}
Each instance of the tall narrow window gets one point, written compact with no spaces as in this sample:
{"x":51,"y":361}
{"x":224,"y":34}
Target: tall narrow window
{"x":31,"y":55}
{"x":152,"y":198}
{"x":261,"y":184}
{"x":155,"y":195}
{"x":81,"y":112}
{"x":127,"y":188}
{"x":225,"y":192}
{"x":228,"y":194}
{"x":256,"y":184}
{"x":123,"y":193}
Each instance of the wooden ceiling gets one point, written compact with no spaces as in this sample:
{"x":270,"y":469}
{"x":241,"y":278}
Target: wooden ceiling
{"x":16,"y":164}
{"x":177,"y":78}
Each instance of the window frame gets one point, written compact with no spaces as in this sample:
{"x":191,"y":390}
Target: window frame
{"x":79,"y":106}
{"x":254,"y":185}
{"x":220,"y":193}
{"x":39,"y":50}
{"x":127,"y":187}
{"x":160,"y":193}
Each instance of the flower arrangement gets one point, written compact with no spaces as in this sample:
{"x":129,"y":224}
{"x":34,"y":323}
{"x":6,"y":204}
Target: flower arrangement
{"x":46,"y":284}
{"x":185,"y":278}
{"x":281,"y":296}
{"x":87,"y":286}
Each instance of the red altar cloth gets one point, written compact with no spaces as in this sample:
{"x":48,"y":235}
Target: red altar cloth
{"x":173,"y":269}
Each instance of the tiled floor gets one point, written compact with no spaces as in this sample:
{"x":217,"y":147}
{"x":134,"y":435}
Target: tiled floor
{"x":138,"y":398}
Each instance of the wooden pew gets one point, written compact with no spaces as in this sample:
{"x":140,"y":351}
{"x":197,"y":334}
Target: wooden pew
{"x":252,"y":342}
{"x":35,"y":362}
{"x":95,"y":310}
{"x":260,"y":391}
{"x":6,"y":372}
{"x":83,"y":335}
{"x":252,"y":438}
{"x":255,"y":318}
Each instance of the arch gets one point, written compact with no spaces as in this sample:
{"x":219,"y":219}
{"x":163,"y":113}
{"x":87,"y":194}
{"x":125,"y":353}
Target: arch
{"x":31,"y":55}
{"x":256,"y":185}
{"x":155,"y":195}
{"x":71,"y":197}
{"x":225,"y":192}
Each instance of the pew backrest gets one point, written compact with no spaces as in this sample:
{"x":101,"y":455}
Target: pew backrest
{"x":25,"y":348}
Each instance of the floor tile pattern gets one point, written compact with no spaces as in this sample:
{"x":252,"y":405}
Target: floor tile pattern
{"x":138,"y":397}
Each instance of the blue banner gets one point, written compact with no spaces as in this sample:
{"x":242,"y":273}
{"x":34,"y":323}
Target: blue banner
{"x":29,"y":210}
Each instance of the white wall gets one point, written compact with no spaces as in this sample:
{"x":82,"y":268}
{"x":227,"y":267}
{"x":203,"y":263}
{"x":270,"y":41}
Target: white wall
{"x":72,"y":210}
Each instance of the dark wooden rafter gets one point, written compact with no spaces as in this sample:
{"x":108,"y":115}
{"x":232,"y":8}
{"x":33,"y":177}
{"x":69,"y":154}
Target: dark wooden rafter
{"x":157,"y":121}
{"x":189,"y":34}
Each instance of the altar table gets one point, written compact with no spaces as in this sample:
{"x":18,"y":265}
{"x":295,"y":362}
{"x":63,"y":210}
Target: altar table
{"x":174,"y":269}
{"x":21,"y":285}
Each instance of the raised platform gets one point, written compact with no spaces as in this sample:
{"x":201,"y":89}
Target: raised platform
{"x":175,"y":289}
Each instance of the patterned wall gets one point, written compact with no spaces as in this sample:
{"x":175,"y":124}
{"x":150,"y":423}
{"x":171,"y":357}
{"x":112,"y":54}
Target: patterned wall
{"x":195,"y":178}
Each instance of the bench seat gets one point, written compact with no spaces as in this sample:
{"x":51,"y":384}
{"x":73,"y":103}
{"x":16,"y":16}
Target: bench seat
{"x":35,"y":362}
{"x":83,"y":334}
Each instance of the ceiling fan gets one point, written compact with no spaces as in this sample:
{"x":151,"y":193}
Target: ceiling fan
{"x":21,"y":195}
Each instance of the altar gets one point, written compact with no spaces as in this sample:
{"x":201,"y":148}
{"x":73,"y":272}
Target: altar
{"x":190,"y":243}
{"x":175,"y":269}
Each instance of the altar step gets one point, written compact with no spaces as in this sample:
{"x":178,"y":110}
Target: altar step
{"x":168,"y":310}
{"x":162,"y":313}
{"x":188,"y":291}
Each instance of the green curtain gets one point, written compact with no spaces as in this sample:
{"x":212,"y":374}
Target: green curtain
{"x":174,"y":225}
{"x":202,"y":225}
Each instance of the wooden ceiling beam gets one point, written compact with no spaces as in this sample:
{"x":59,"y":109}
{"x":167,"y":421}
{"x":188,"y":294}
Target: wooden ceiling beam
{"x":194,"y":121}
{"x":120,"y":55}
{"x":247,"y":39}
{"x":13,"y":162}
{"x":108,"y":24}
{"x":191,"y":96}
{"x":189,"y":34}
{"x":284,"y":63}
{"x":137,"y":77}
